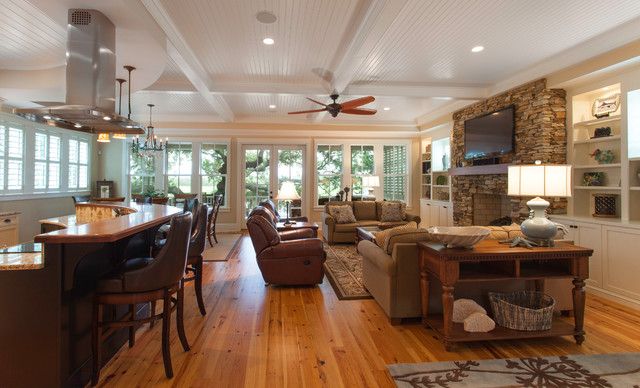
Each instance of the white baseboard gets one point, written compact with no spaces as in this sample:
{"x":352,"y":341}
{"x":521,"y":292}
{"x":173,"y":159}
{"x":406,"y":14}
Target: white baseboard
{"x":634,"y":304}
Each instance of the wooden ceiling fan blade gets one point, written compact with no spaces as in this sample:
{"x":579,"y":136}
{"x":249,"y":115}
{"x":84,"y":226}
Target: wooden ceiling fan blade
{"x":357,"y":102}
{"x":307,"y":111}
{"x":359,"y":111}
{"x":317,"y":102}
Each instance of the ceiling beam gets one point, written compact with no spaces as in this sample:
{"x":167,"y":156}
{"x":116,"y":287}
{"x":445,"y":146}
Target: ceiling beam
{"x":182,"y":54}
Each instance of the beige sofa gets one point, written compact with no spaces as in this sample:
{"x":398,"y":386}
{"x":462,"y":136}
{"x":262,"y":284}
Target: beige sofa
{"x":367,"y":213}
{"x":393,"y":279}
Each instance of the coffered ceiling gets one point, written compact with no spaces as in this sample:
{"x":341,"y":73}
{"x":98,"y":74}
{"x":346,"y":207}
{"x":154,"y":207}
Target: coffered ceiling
{"x":414,"y":56}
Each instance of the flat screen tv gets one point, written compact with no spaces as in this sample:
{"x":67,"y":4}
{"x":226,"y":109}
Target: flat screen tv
{"x":490,"y":135}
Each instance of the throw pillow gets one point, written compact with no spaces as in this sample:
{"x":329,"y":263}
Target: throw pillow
{"x":343,"y":214}
{"x":392,"y":211}
{"x":382,"y":235}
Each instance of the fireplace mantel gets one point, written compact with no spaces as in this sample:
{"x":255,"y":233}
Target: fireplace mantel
{"x":489,"y":169}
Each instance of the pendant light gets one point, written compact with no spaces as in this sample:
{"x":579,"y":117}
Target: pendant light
{"x":151,"y":143}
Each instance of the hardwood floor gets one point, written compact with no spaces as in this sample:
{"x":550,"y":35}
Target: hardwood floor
{"x":257,"y":336}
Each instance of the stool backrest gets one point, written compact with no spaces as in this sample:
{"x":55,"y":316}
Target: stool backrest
{"x":199,"y":233}
{"x":167,"y":269}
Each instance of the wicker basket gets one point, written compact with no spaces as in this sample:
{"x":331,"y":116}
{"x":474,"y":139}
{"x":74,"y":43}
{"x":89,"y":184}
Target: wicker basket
{"x":522,"y":310}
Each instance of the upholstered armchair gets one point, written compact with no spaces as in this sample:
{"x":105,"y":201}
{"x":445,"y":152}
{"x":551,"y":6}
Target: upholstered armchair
{"x":285,"y":235}
{"x":272,"y":208}
{"x":285,"y":262}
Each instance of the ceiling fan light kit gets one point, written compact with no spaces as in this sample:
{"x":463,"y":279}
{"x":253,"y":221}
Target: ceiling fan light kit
{"x":349,"y":107}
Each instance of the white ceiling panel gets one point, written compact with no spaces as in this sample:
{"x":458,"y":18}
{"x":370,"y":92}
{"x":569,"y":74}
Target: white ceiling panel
{"x":172,"y":78}
{"x":430,"y":41}
{"x":169,"y":106}
{"x":29,"y":39}
{"x":227,"y":38}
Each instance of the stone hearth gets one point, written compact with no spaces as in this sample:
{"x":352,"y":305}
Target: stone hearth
{"x":489,"y":207}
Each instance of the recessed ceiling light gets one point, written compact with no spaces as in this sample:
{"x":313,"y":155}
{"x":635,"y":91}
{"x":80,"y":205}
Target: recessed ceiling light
{"x":266,"y":17}
{"x":78,"y":125}
{"x":46,"y":117}
{"x":477,"y":49}
{"x":268,"y":41}
{"x":386,"y":108}
{"x":272,"y":106}
{"x":106,"y":118}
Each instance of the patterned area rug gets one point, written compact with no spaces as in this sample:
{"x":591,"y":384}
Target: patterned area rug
{"x":343,"y":268}
{"x":601,"y":370}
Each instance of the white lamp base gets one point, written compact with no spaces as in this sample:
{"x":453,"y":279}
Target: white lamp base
{"x":539,"y":227}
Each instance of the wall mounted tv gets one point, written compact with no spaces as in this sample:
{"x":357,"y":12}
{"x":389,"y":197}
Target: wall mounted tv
{"x":490,"y":135}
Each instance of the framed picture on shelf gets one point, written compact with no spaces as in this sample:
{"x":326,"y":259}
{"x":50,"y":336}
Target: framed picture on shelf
{"x":104,"y":189}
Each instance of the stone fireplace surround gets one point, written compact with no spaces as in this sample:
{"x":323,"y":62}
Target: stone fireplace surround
{"x":540,"y":134}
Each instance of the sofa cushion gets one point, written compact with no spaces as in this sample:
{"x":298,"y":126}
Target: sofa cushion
{"x":365,"y":210}
{"x":392,"y":211}
{"x":343,"y":228}
{"x":382,"y":235}
{"x":368,"y":223}
{"x":343,"y":214}
{"x":389,"y":225}
{"x":404,"y":236}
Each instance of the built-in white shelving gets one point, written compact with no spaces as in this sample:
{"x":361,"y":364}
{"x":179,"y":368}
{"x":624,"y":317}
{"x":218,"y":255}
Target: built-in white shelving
{"x":598,"y":140}
{"x":596,"y":166}
{"x":602,"y":188}
{"x":600,"y":121}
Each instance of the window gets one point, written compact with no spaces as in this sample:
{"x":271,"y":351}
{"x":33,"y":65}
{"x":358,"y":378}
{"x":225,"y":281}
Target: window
{"x":213,"y":172}
{"x":329,"y":172}
{"x":179,"y":168}
{"x":46,"y":173}
{"x":11,"y":159}
{"x":394,"y":164}
{"x":361,"y":164}
{"x":78,"y":164}
{"x":141,"y":173}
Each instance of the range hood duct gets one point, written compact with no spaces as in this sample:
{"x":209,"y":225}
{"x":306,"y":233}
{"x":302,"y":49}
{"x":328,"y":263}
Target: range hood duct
{"x":91,"y":79}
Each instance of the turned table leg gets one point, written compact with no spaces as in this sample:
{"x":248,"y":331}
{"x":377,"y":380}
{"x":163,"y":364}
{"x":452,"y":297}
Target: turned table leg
{"x":447,"y":315}
{"x":424,"y":295}
{"x":578,"y":309}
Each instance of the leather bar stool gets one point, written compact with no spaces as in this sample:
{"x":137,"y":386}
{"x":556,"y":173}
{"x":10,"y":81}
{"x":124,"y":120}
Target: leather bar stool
{"x":194,"y":256}
{"x":145,"y":280}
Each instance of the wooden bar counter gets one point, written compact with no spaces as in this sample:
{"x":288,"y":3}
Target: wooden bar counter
{"x":45,"y":329}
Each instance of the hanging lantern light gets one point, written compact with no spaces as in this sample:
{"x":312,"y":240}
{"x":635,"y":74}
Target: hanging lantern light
{"x":103,"y":138}
{"x":121,"y":136}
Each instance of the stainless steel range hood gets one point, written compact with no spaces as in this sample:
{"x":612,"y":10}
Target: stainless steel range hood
{"x":91,"y":78}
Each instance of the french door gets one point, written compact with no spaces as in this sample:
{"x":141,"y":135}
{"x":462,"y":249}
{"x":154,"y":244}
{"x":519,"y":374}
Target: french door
{"x":265,"y":167}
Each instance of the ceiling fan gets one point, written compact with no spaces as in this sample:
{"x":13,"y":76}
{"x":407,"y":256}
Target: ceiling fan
{"x":349,"y":107}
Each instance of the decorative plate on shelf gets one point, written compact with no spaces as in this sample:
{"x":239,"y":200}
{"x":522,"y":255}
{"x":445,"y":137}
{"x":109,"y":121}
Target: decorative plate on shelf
{"x":604,"y":106}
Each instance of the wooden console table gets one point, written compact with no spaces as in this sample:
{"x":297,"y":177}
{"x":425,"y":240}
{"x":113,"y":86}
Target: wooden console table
{"x":492,"y":261}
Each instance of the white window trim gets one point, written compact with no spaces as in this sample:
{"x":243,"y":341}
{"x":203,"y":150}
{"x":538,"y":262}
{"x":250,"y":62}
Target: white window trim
{"x":407,"y":174}
{"x":29,"y":130}
{"x":377,"y":157}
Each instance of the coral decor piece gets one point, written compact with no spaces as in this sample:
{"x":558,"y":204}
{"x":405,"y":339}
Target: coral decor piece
{"x":462,"y":308}
{"x":479,"y":323}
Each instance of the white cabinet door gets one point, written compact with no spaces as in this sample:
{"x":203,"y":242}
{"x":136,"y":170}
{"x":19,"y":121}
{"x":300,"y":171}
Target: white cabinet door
{"x":434,"y":215}
{"x":443,"y":215}
{"x":425,"y":207}
{"x":621,"y":249}
{"x":590,"y":236}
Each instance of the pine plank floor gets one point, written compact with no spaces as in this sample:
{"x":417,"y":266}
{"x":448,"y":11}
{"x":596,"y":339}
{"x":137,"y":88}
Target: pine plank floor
{"x":257,"y":336}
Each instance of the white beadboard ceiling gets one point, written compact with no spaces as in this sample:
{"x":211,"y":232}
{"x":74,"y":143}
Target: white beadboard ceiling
{"x":412,"y":55}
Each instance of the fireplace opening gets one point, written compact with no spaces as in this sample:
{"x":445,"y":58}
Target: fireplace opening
{"x":492,"y":209}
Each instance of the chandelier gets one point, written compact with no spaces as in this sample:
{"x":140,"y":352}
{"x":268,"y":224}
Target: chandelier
{"x":151,"y":143}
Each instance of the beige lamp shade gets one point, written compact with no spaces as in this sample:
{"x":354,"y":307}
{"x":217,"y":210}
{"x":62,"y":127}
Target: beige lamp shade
{"x":288,"y":191}
{"x":103,"y":138}
{"x":539,"y":180}
{"x":370,"y":181}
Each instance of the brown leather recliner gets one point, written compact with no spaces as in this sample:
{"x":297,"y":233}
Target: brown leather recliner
{"x":285,"y":262}
{"x":285,"y":235}
{"x":272,"y":207}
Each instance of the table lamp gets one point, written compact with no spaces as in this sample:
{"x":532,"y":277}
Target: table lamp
{"x":288,"y":194}
{"x":369,"y":182}
{"x":535,"y":181}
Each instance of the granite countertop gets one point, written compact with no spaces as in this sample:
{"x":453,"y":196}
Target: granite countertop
{"x":24,"y":256}
{"x":9,"y":213}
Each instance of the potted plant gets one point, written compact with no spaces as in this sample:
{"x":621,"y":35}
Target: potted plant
{"x":158,"y":197}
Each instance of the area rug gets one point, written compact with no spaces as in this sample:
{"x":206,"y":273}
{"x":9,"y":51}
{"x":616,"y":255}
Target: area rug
{"x":227,"y":243}
{"x":343,"y":268}
{"x":600,"y":370}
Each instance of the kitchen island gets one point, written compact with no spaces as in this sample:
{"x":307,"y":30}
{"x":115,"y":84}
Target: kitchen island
{"x":46,"y":297}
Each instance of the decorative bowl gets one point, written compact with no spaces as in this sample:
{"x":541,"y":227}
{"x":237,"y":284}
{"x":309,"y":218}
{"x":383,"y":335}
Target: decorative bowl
{"x":458,"y":236}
